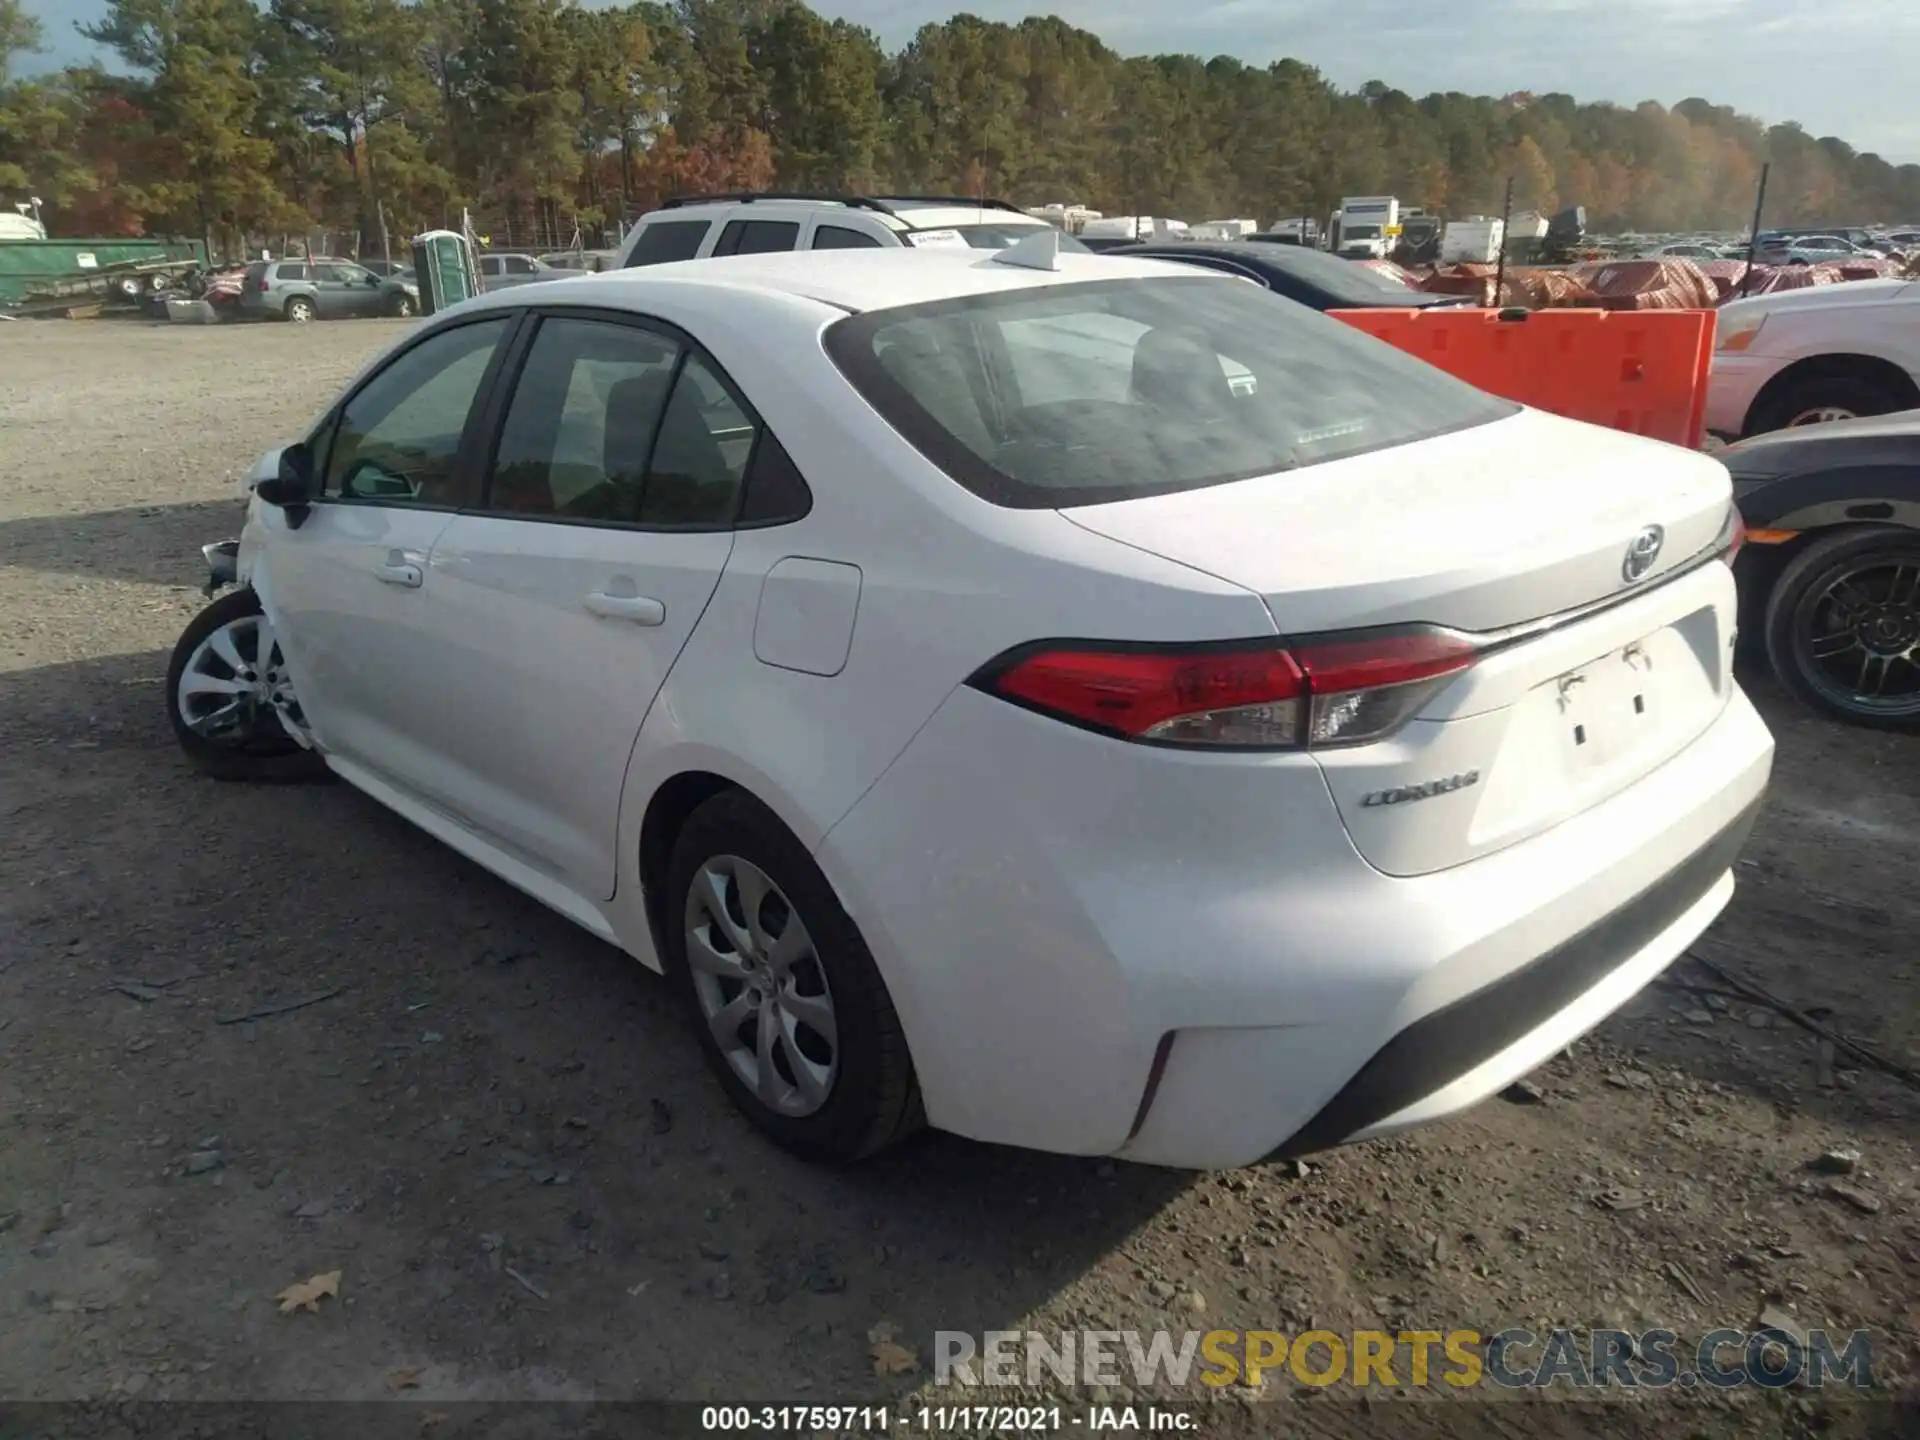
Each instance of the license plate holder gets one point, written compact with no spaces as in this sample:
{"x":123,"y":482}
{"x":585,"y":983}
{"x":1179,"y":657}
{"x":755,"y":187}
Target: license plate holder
{"x":1608,"y":706}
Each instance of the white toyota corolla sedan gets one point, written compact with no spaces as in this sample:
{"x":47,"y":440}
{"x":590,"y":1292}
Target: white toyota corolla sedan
{"x":1074,"y":702}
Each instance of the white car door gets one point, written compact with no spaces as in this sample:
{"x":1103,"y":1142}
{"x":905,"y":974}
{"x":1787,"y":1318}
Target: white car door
{"x":559,"y":608}
{"x":348,"y":587}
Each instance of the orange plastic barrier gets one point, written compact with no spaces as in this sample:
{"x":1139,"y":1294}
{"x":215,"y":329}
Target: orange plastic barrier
{"x":1643,"y":371}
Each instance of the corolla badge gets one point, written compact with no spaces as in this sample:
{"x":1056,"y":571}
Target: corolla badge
{"x":1425,"y":790}
{"x":1642,"y":551}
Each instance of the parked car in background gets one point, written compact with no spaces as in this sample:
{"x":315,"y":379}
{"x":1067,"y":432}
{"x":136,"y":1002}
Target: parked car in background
{"x":590,"y":262}
{"x":1311,"y":277}
{"x":1036,"y":694}
{"x":699,"y":227}
{"x":319,"y":288}
{"x":1813,"y":250}
{"x":1802,"y":357}
{"x":1830,"y":577}
{"x":502,"y":270}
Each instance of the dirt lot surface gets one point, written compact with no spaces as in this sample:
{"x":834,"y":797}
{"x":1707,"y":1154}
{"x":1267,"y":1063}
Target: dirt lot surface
{"x":500,"y":1134}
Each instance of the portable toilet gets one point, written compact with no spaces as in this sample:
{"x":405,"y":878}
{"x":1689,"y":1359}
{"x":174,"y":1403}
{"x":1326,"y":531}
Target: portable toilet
{"x":443,"y":264}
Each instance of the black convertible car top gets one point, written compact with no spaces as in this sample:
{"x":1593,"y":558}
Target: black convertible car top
{"x":1311,"y":277}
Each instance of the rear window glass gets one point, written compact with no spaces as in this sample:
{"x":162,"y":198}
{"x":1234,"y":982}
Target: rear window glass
{"x":838,"y":237}
{"x":663,"y":241}
{"x":1083,"y":394}
{"x":977,"y":237}
{"x":758,"y":237}
{"x":292,"y":272}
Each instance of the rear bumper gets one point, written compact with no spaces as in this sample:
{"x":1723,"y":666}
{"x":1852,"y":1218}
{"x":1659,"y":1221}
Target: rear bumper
{"x":1455,"y":1056}
{"x":1180,"y":959}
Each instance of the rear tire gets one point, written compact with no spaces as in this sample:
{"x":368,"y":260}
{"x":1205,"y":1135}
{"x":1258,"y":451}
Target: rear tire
{"x":738,"y":882}
{"x":403,"y":307}
{"x":299,"y":311}
{"x":1843,"y":627}
{"x":214,"y":663}
{"x":1819,"y":399}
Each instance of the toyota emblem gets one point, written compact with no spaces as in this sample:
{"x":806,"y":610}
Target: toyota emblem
{"x":1641,"y":553}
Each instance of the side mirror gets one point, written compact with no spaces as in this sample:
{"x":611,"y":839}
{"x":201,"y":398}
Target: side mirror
{"x":293,"y":488}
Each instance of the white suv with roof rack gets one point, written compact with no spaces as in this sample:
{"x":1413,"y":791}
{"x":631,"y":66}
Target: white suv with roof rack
{"x":702,"y":226}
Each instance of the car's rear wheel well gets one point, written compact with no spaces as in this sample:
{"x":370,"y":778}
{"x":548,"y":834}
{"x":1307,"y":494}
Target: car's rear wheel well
{"x":666,"y":813}
{"x":1870,"y":369}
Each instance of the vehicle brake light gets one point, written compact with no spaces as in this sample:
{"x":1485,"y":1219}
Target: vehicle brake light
{"x":265,"y":284}
{"x":1245,"y":695}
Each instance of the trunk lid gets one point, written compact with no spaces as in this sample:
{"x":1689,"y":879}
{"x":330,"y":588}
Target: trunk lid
{"x":1491,"y":530}
{"x":1482,"y":529}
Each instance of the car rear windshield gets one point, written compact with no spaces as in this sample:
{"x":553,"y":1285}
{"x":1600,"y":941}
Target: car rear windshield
{"x":977,"y":237}
{"x":1115,"y":389}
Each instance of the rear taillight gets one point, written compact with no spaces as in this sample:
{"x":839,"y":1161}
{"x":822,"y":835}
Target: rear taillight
{"x":1254,"y":695}
{"x":265,"y":284}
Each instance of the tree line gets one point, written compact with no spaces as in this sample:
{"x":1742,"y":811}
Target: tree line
{"x":541,"y":117}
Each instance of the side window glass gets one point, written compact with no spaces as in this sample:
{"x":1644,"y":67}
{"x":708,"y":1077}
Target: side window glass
{"x":582,"y":422}
{"x":838,"y":237}
{"x":519,"y":265}
{"x":292,"y":272}
{"x":777,"y":492}
{"x":701,"y":453}
{"x":399,"y":436}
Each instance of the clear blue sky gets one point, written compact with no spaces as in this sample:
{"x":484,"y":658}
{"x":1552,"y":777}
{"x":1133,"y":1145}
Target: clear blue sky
{"x":1840,"y":67}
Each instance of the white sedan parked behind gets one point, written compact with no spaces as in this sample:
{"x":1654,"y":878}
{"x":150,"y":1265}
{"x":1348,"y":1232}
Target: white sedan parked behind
{"x":1075,"y":702}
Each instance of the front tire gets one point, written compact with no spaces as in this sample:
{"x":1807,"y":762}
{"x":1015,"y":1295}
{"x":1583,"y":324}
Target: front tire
{"x":299,"y":311}
{"x":784,"y":996}
{"x":1843,"y":627}
{"x":232,"y":706}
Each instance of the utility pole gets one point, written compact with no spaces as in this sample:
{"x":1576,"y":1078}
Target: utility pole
{"x":1753,"y":236}
{"x":1500,"y":269}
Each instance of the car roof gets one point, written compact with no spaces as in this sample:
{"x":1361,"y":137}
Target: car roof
{"x":849,"y":280}
{"x":906,"y":214}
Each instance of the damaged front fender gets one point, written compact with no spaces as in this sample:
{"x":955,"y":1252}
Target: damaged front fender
{"x":223,"y":565}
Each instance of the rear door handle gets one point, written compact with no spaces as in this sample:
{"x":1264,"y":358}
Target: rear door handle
{"x":636,"y":609}
{"x":407,"y":575}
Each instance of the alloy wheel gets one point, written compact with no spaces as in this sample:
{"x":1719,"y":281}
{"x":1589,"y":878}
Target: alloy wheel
{"x":1857,"y":636}
{"x":1820,"y":415}
{"x":235,"y":690}
{"x":760,"y":985}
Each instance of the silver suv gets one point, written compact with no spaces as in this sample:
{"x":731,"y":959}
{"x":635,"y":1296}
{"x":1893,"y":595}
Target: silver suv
{"x":319,"y":288}
{"x":699,"y":227}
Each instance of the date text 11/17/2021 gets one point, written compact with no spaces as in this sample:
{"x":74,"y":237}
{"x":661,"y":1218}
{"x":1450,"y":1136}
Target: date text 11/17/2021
{"x":944,"y":1419}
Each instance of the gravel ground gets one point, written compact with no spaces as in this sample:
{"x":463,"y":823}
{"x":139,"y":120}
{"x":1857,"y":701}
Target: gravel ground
{"x":500,"y":1134}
